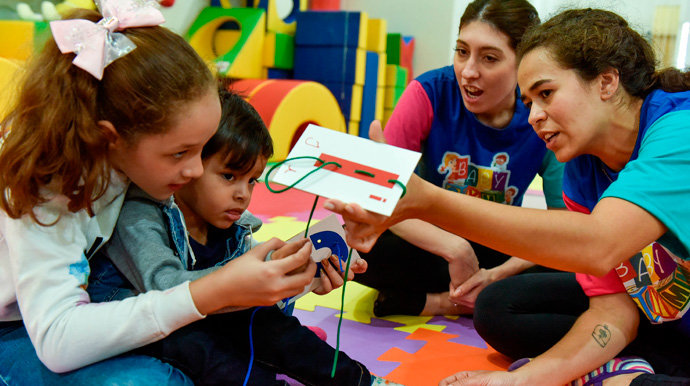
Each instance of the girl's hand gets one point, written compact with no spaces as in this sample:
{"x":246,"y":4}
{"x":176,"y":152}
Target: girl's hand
{"x":249,"y":280}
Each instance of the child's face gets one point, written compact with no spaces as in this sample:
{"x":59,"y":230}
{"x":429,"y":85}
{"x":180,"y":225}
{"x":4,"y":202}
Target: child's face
{"x":161,"y":164}
{"x":220,"y":195}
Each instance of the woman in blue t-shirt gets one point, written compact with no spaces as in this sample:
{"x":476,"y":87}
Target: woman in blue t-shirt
{"x":468,"y":122}
{"x":623,"y":128}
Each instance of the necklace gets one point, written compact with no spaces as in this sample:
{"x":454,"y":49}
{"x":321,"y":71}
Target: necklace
{"x":603,"y":169}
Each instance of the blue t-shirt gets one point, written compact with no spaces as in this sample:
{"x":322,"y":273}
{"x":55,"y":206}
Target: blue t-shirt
{"x":462,"y":154}
{"x":655,"y":179}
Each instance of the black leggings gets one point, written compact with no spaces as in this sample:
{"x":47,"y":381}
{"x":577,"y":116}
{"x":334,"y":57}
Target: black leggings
{"x":523,"y":316}
{"x":396,"y":265}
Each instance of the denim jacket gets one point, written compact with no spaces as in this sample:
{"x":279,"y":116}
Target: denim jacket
{"x":150,"y":245}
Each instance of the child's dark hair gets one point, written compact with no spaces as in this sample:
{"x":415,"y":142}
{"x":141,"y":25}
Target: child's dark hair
{"x":511,"y":17}
{"x":242,"y":136}
{"x":55,"y":140}
{"x":590,"y":41}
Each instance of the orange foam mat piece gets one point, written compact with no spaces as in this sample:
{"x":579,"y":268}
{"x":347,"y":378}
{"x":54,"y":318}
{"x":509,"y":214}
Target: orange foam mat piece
{"x":438,"y":359}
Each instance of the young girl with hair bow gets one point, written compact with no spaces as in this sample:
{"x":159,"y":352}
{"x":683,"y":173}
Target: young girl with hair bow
{"x":135,"y":104}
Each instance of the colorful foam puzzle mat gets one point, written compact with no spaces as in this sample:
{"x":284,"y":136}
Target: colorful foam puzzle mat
{"x":411,"y":350}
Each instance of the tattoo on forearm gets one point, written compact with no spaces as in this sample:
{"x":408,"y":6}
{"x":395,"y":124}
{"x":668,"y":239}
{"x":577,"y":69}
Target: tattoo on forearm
{"x":601,"y":334}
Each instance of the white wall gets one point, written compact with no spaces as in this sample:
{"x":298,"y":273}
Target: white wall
{"x":434,"y":23}
{"x":182,"y":14}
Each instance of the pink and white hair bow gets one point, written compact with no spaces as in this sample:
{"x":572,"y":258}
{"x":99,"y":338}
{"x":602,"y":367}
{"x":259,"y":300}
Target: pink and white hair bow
{"x":97,"y":44}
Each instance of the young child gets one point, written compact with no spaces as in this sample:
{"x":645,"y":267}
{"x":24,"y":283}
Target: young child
{"x":149,"y":249}
{"x":78,"y":136}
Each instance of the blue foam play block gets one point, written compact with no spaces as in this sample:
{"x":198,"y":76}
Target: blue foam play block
{"x":369,"y":93}
{"x":277,"y":73}
{"x":323,"y":28}
{"x":343,"y":93}
{"x":325,"y":64}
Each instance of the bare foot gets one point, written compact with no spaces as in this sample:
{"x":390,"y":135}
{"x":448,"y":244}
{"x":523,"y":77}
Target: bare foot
{"x":439,"y":304}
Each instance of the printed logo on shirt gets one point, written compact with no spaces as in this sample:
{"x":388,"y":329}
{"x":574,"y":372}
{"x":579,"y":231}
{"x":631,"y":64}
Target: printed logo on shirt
{"x":657,"y":280}
{"x":487,"y":182}
{"x":81,"y":271}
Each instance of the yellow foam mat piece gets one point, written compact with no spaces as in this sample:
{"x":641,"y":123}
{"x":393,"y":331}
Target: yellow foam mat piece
{"x":537,"y":183}
{"x":359,"y":301}
{"x":281,"y":227}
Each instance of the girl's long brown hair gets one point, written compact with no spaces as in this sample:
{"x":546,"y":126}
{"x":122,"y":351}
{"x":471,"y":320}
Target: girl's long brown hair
{"x":56,"y":146}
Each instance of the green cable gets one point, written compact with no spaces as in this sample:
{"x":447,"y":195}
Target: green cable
{"x":349,"y":256}
{"x":340,"y":321}
{"x":400,"y":184}
{"x":366,"y":173}
{"x":323,"y":164}
{"x":306,"y":231}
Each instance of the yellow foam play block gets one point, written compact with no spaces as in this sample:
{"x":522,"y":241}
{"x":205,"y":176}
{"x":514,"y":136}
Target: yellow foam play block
{"x":381,"y":77}
{"x":386,"y":116}
{"x":287,"y":107}
{"x":356,"y":106}
{"x":9,"y":74}
{"x":274,"y":23}
{"x":236,"y":54}
{"x":363,"y":30}
{"x":377,"y":30}
{"x":20,"y":38}
{"x":391,"y":96}
{"x":396,"y":76}
{"x":353,"y":128}
{"x":279,"y":51}
{"x":380,"y":96}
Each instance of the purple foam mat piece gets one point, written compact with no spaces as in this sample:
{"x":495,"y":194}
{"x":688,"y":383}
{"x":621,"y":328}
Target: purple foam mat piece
{"x":362,"y":342}
{"x":463,"y":328}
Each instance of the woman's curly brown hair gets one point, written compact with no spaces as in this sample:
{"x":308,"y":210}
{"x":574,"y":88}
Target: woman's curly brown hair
{"x":590,"y":41}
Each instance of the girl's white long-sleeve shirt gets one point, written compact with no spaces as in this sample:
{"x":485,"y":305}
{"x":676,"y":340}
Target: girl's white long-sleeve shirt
{"x":44,"y":271}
